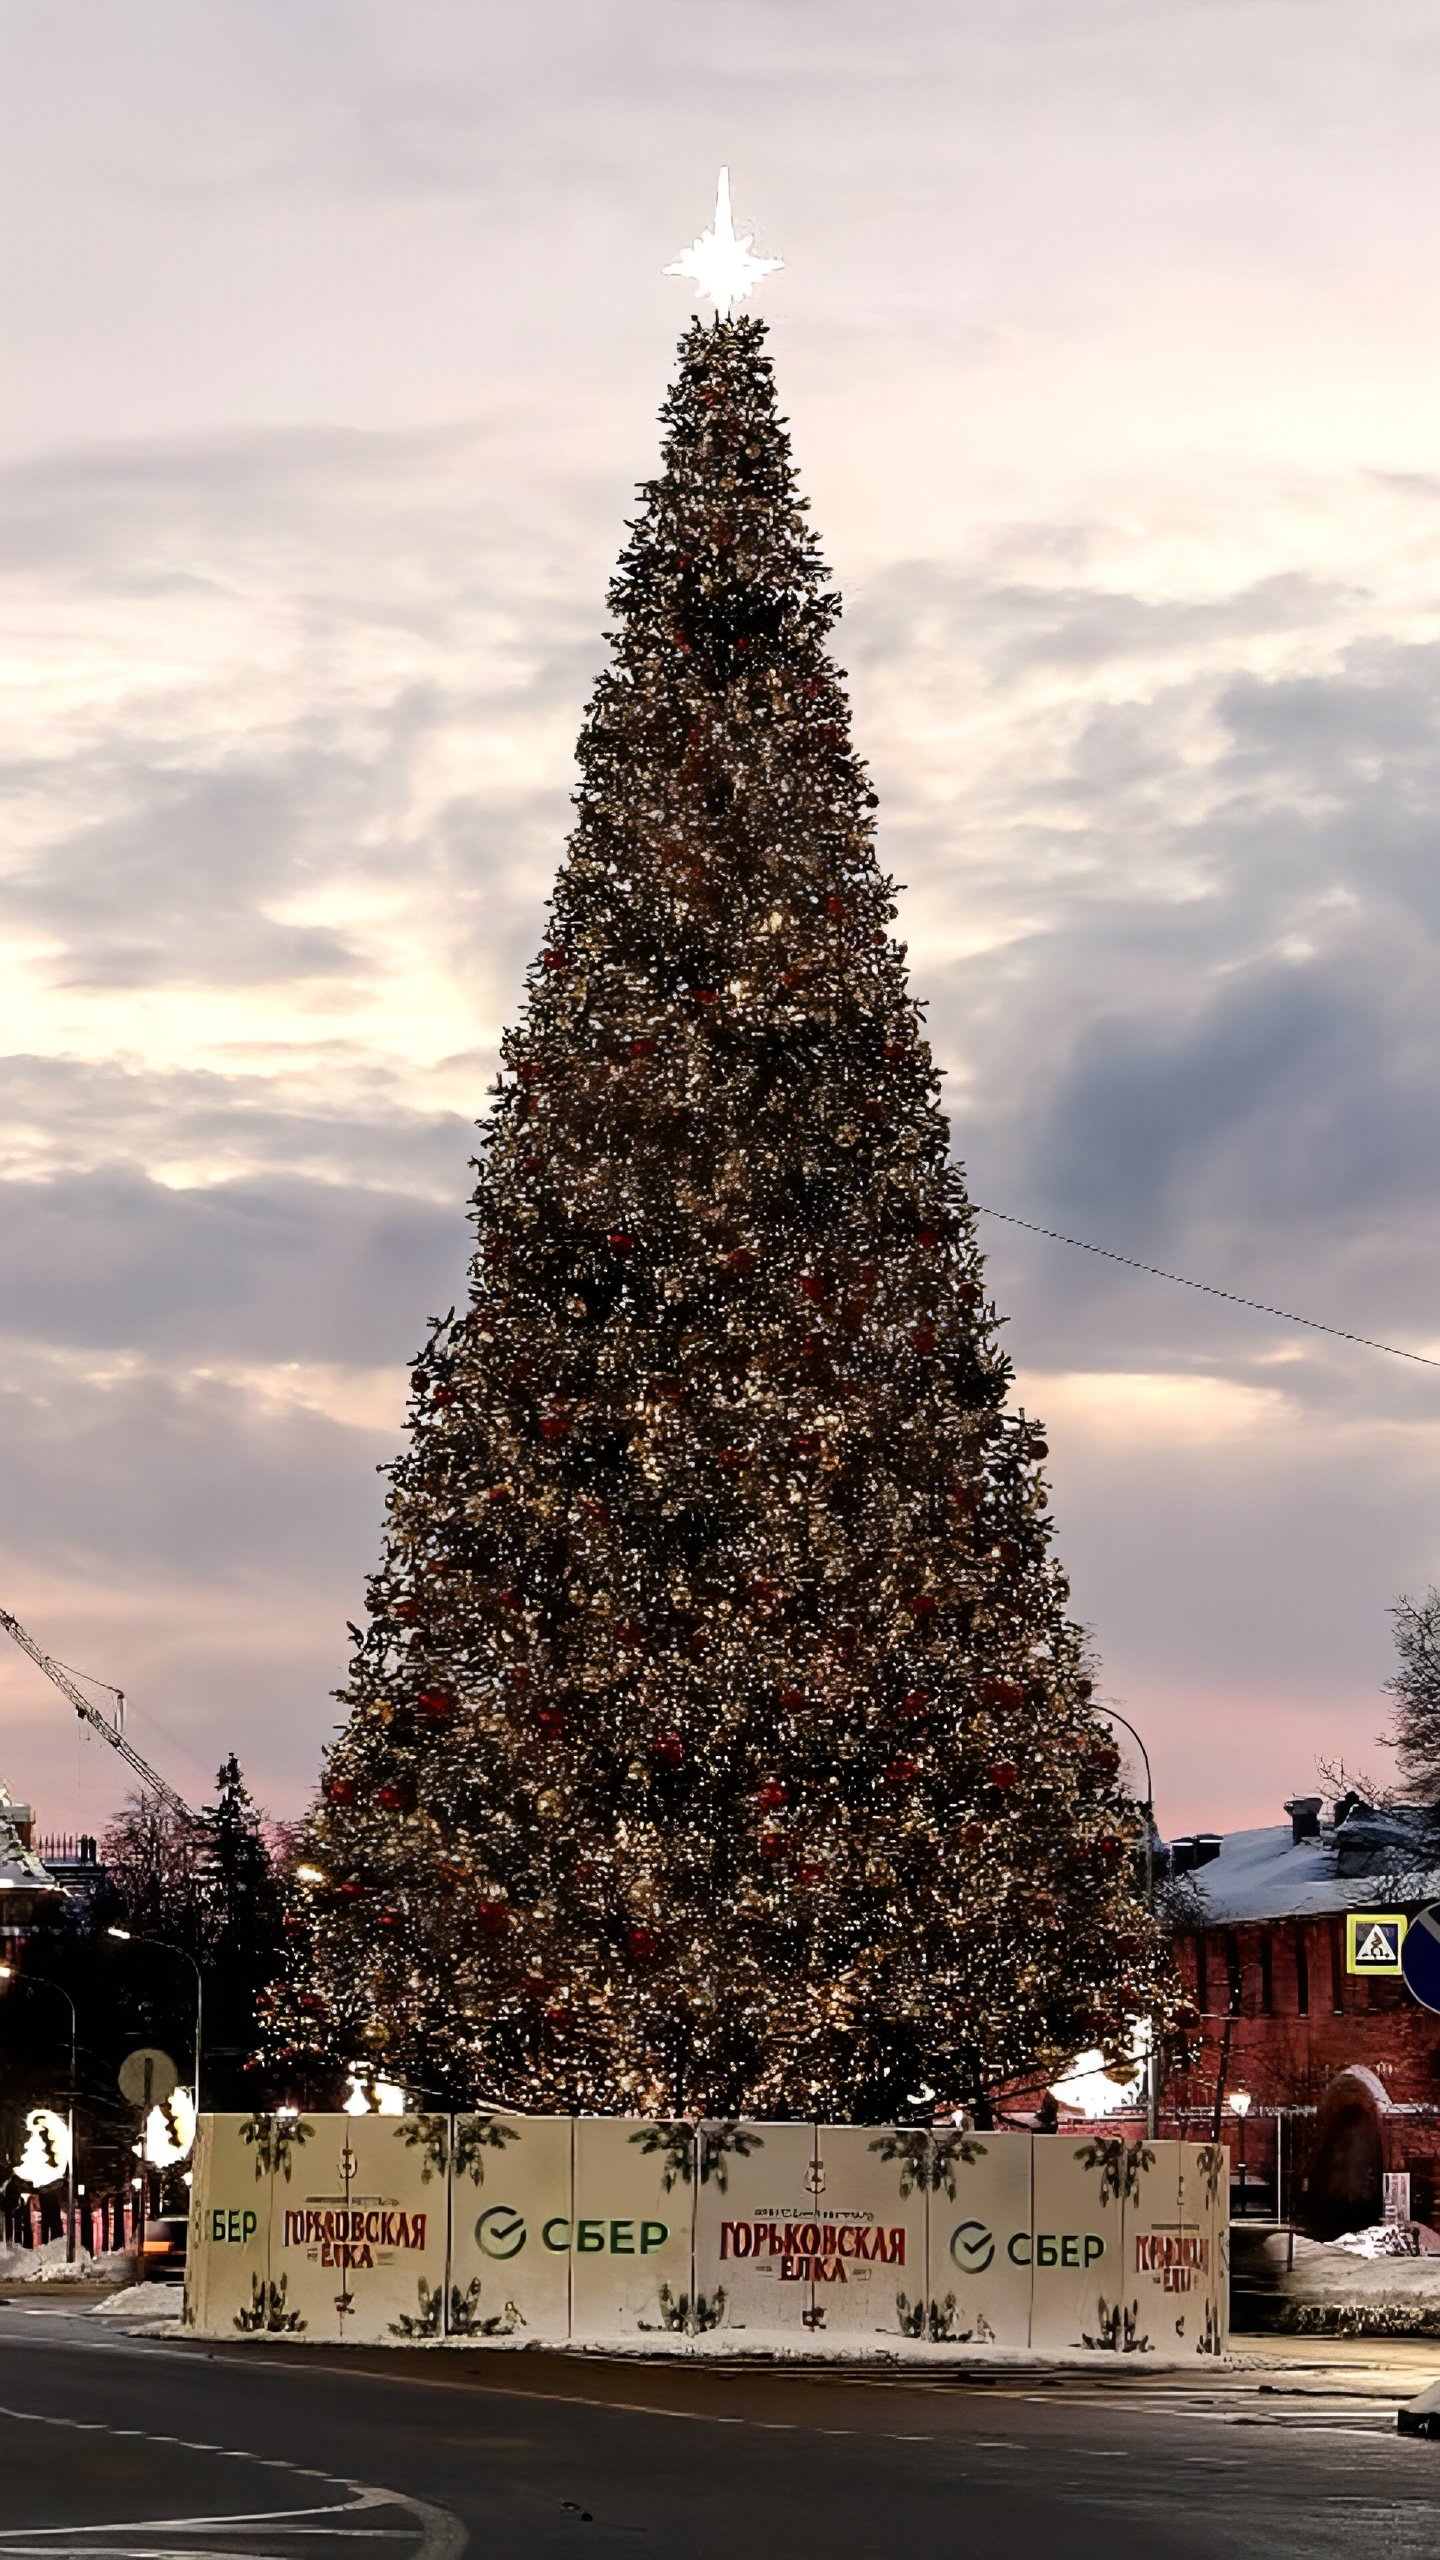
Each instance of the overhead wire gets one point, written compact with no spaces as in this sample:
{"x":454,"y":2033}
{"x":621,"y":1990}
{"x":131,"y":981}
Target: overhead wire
{"x":1207,"y":1288}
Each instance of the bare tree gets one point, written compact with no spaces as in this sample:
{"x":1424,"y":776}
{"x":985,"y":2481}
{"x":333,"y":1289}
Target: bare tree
{"x":1415,"y":1688}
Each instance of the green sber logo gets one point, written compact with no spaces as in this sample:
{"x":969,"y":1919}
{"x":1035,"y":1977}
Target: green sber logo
{"x":500,"y":2231}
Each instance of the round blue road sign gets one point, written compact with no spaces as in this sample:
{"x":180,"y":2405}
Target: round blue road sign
{"x":1420,"y":1957}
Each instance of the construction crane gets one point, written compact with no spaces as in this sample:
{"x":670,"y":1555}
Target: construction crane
{"x":84,"y":1707}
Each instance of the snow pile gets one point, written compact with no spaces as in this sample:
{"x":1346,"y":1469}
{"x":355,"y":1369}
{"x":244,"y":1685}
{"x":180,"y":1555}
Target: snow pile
{"x":1366,"y":2291}
{"x":1384,"y":2240}
{"x":48,"y":2265}
{"x":147,"y":2303}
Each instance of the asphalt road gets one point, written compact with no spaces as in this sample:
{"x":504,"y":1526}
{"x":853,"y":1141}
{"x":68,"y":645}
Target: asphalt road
{"x":143,"y":2449}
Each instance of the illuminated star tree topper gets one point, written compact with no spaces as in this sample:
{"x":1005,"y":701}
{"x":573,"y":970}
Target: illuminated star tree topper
{"x":720,"y":266}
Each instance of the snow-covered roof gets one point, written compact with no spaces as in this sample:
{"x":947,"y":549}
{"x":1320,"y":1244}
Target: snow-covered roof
{"x":1269,"y":1875}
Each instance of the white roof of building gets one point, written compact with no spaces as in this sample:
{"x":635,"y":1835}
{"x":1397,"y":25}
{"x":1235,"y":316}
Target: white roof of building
{"x":1268,"y":1875}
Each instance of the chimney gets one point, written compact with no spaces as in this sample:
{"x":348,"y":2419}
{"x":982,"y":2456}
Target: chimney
{"x":1304,"y":1812}
{"x":1208,"y":1845}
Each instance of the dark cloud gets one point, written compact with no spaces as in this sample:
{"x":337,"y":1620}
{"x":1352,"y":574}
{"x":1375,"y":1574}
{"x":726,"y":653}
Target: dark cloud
{"x":281,"y":1270}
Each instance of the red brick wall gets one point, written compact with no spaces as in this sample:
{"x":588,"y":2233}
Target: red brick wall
{"x":1288,"y":2057}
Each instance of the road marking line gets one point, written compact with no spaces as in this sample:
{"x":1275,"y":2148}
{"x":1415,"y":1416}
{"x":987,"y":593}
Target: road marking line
{"x":175,"y":2524}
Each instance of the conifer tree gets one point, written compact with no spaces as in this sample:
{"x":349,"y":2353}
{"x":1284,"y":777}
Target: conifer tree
{"x":718,"y":1739}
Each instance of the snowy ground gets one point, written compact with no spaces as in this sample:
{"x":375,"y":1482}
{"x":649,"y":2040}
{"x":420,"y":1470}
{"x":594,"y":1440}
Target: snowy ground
{"x":146,"y":2307}
{"x":1351,"y":2287}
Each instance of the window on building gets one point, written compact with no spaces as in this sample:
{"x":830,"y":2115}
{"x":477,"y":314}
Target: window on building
{"x":1267,"y":1975}
{"x":1235,"y":1972}
{"x":1302,"y":1971}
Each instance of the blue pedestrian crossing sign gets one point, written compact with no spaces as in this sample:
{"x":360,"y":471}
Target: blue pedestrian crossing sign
{"x":1420,"y":1957}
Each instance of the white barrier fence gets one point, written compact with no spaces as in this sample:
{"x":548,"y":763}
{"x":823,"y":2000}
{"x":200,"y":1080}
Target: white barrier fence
{"x":482,"y":2229}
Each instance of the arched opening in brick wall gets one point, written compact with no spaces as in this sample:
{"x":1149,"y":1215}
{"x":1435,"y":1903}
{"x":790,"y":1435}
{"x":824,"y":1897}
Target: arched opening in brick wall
{"x":1347,"y":2168}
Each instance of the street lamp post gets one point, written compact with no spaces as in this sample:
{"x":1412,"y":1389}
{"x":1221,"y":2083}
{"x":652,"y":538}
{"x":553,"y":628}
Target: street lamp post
{"x":130,"y":1939}
{"x":1240,"y":2103}
{"x":1152,"y":2059}
{"x":9,"y":1974}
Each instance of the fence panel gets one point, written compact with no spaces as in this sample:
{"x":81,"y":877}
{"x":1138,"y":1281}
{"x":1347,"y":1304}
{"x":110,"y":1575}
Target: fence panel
{"x":631,"y":2247}
{"x":510,"y":2210}
{"x":753,"y":2206}
{"x":980,"y":2239}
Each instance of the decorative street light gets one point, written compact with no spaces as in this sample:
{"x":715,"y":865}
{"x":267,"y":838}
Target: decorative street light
{"x":9,"y":1974}
{"x":130,"y":1939}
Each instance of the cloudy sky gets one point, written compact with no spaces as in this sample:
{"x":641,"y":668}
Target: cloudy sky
{"x":333,"y":334}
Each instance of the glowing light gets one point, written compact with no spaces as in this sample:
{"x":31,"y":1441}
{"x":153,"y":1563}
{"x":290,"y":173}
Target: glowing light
{"x":311,"y":1875}
{"x":1089,"y":2086}
{"x":718,"y":265}
{"x":46,"y":2155}
{"x":1240,"y":2100}
{"x":169,"y":2135}
{"x":366,"y":2097}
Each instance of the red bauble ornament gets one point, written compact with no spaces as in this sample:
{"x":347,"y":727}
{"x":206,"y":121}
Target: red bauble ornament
{"x":996,"y":1692}
{"x":812,"y":1286}
{"x":553,"y":1426}
{"x":620,"y":1242}
{"x":974,"y":1835}
{"x":435,"y":1705}
{"x":339,"y":1790}
{"x":810,"y":1875}
{"x":927,"y":1235}
{"x":493,"y":1917}
{"x":894,"y":1051}
{"x":394,"y":1799}
{"x":643,"y":1048}
{"x":641,"y":1943}
{"x":387,"y":1919}
{"x":901,"y":1771}
{"x":729,"y":1459}
{"x":1003,"y":1774}
{"x":923,"y":1337}
{"x":409,"y":1610}
{"x":669,"y":1748}
{"x":771,"y":1844}
{"x":352,"y":1892}
{"x":705,"y":995}
{"x":834,"y":906}
{"x":771,"y":1793}
{"x":741,"y":1261}
{"x":498,"y":1493}
{"x":923,"y":1604}
{"x":443,"y":1395}
{"x":550,"y":1719}
{"x":792,"y":1699}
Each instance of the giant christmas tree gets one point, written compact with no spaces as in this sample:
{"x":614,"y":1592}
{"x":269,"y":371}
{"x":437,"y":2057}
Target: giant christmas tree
{"x":718,"y":1741}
